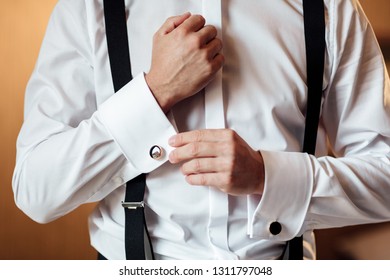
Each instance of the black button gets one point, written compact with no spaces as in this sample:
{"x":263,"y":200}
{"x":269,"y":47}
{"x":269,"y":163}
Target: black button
{"x":275,"y":228}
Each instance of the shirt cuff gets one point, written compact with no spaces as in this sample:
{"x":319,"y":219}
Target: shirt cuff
{"x":281,"y":211}
{"x":137,"y":124}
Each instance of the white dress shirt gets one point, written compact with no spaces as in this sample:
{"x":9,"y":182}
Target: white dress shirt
{"x":80,"y":142}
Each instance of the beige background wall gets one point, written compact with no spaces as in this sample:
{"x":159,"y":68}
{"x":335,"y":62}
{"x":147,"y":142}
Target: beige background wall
{"x":22,"y":25}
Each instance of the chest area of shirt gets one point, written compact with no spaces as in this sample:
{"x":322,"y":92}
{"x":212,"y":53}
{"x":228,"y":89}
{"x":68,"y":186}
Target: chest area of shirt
{"x":264,"y":52}
{"x":256,"y":37}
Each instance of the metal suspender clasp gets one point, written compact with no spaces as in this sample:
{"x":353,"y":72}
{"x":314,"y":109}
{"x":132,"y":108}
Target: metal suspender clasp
{"x":133,"y":205}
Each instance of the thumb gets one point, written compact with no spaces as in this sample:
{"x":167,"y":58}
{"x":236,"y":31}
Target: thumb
{"x":171,"y":23}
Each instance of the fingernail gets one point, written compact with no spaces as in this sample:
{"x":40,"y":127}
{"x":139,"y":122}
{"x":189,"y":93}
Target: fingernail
{"x":170,"y":158}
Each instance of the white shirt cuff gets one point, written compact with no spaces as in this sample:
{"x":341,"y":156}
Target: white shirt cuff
{"x":136,"y":123}
{"x":286,"y":198}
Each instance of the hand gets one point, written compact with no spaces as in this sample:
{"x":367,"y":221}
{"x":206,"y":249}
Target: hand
{"x":219,"y":158}
{"x":185,"y":59}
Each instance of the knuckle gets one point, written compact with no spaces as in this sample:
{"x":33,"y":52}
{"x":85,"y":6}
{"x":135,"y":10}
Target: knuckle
{"x":219,"y":60}
{"x":210,"y":33}
{"x":230,"y":134}
{"x":213,"y":30}
{"x":194,"y":149}
{"x":218,"y":44}
{"x":183,"y":169}
{"x":202,"y":180}
{"x":180,"y":33}
{"x":198,"y":165}
{"x":170,"y":19}
{"x":194,"y":41}
{"x":173,"y":156}
{"x":216,"y":64}
{"x":200,"y":19}
{"x":198,"y":135}
{"x":178,"y":139}
{"x":204,"y":59}
{"x":209,"y":69}
{"x":204,"y":55}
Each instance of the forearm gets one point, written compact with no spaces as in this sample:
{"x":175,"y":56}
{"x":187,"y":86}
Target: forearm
{"x":350,"y":190}
{"x":69,"y":169}
{"x":60,"y":167}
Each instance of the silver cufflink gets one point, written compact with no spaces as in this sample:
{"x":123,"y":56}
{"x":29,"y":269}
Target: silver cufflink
{"x":156,"y":152}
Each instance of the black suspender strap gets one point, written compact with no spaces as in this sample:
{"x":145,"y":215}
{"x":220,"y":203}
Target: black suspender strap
{"x":314,"y":18}
{"x":314,"y":21}
{"x":136,"y":235}
{"x":117,"y":42}
{"x":137,"y":241}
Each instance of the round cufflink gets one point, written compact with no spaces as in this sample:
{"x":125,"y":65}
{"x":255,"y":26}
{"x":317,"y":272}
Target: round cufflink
{"x":156,"y":152}
{"x":275,"y":228}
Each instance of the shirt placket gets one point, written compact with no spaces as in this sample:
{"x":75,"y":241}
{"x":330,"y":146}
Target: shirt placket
{"x":215,"y":119}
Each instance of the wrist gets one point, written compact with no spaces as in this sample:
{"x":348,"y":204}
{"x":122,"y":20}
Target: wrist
{"x":158,"y":93}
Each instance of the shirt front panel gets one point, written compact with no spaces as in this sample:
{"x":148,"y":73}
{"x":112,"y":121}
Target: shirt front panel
{"x":264,"y":94}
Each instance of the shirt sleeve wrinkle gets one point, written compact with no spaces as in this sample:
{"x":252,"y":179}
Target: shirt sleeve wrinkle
{"x":72,"y":18}
{"x":353,"y":188}
{"x":61,"y":146}
{"x":328,"y":192}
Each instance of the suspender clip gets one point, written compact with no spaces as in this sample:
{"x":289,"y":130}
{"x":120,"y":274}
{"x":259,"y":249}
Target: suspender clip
{"x":133,"y":205}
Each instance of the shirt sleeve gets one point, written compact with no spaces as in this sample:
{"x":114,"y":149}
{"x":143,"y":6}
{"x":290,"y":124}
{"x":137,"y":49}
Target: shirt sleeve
{"x":69,"y":151}
{"x":303,"y":192}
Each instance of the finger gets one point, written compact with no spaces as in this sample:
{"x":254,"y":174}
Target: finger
{"x":217,"y":62}
{"x":192,"y":24}
{"x":204,"y":135}
{"x":213,"y":48}
{"x":171,"y":23}
{"x":205,"y":165}
{"x":207,"y":33}
{"x":217,"y":180}
{"x":195,"y":150}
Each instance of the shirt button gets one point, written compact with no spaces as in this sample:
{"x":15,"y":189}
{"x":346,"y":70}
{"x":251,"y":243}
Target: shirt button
{"x":275,"y":228}
{"x":156,"y":152}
